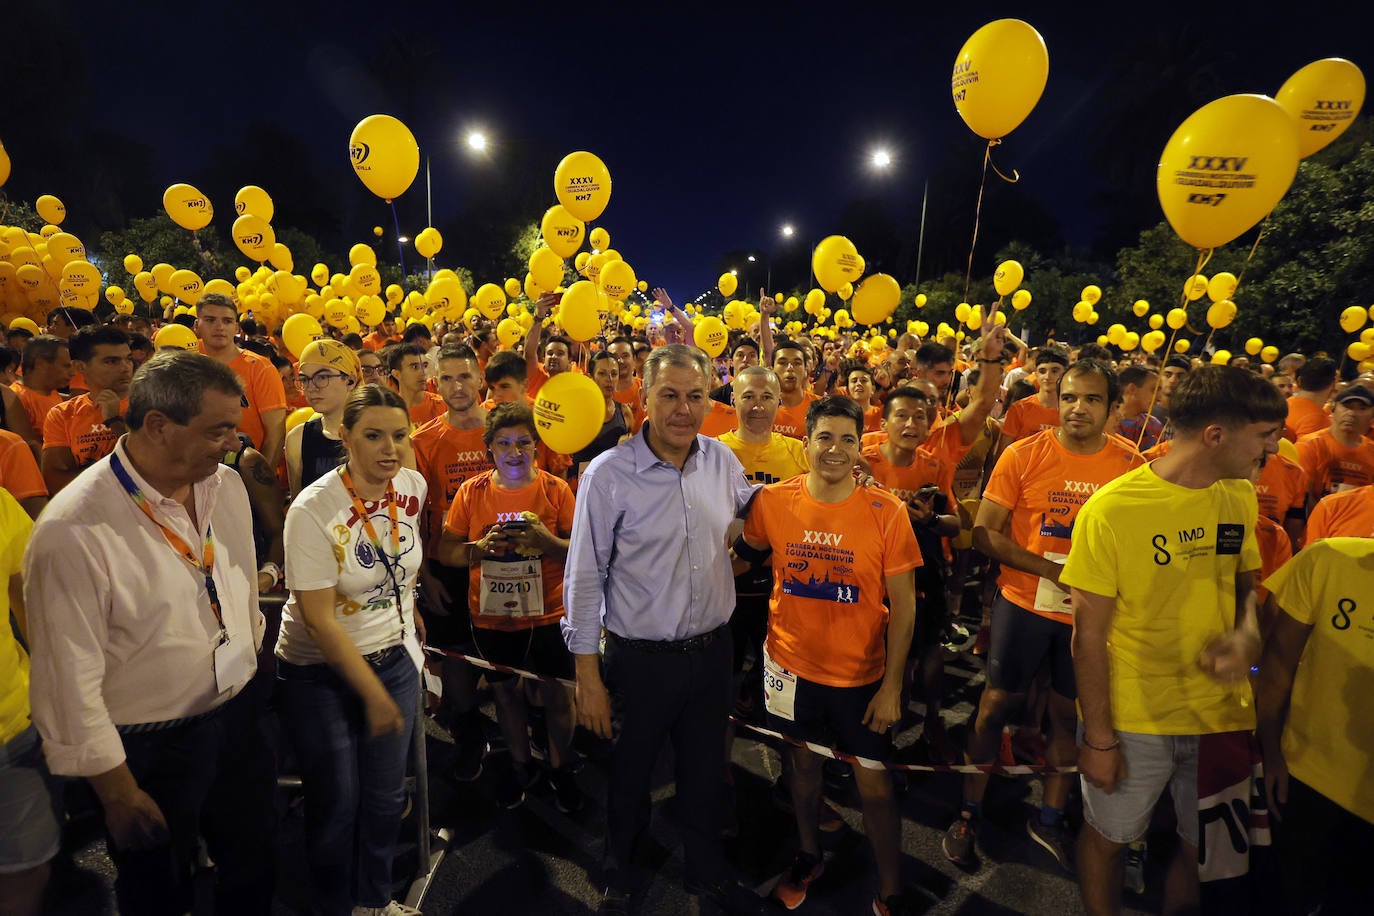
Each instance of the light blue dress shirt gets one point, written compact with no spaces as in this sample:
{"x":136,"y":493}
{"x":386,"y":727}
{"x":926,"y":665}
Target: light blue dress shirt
{"x":648,"y":556}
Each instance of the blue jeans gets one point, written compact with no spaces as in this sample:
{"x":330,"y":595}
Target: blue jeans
{"x":354,"y":785}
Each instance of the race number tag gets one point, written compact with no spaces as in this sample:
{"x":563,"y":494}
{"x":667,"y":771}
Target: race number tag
{"x":234,"y":662}
{"x":779,"y":689}
{"x":1050,"y":597}
{"x":512,"y":588}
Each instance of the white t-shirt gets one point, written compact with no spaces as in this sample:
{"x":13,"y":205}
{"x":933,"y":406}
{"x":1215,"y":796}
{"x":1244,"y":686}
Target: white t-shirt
{"x":328,"y":547}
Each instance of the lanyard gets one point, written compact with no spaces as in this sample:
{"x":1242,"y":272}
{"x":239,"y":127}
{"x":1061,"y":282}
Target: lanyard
{"x":204,"y":564}
{"x":391,"y":564}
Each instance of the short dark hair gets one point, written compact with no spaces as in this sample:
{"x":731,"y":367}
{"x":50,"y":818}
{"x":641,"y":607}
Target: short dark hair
{"x":621,"y":338}
{"x":1092,"y":366}
{"x":1135,"y":374}
{"x":395,"y":354}
{"x":505,"y":364}
{"x":173,"y":382}
{"x":75,"y":317}
{"x":140,"y":342}
{"x":1317,"y":374}
{"x":457,"y":351}
{"x":906,"y":391}
{"x":746,"y":342}
{"x":1051,"y":355}
{"x":788,"y":344}
{"x":833,"y":405}
{"x":933,"y":354}
{"x":556,"y":339}
{"x":353,"y":340}
{"x":504,"y":416}
{"x":83,"y":343}
{"x":9,"y":359}
{"x":369,"y":395}
{"x":853,"y":365}
{"x":416,"y":331}
{"x":1178,"y":362}
{"x":259,"y":345}
{"x":1094,"y":350}
{"x":600,"y":356}
{"x":1224,"y":394}
{"x":44,"y":347}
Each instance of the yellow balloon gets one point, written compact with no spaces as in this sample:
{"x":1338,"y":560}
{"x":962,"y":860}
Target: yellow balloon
{"x":1180,"y":346}
{"x":394,"y":294}
{"x":1021,"y":300}
{"x":581,"y":261}
{"x":1081,"y":311}
{"x":642,"y":286}
{"x":64,"y":248}
{"x":1129,"y":341}
{"x":337,"y":312}
{"x":1358,"y":351}
{"x":377,"y":231}
{"x":145,"y":284}
{"x":1221,"y":357}
{"x":114,"y":295}
{"x":1195,"y":288}
{"x":133,"y":264}
{"x":490,"y":300}
{"x":579,"y":312}
{"x":512,"y":287}
{"x":370,"y":311}
{"x":1353,"y":318}
{"x":1269,"y":354}
{"x":186,"y":286}
{"x":568,"y":412}
{"x":1141,"y":308}
{"x":1367,"y":336}
{"x":791,"y":304}
{"x":446,"y":295}
{"x":428,"y":242}
{"x":845,"y":291}
{"x":280,"y":257}
{"x":618,"y":279}
{"x":600,"y":239}
{"x":546,"y":267}
{"x":1092,"y":317}
{"x":582,"y":184}
{"x":1221,"y":286}
{"x":562,"y":231}
{"x":1091,"y":294}
{"x":998,"y":77}
{"x":51,"y":209}
{"x":1115,"y":333}
{"x":1008,"y":276}
{"x":187,"y":207}
{"x":711,"y":335}
{"x":319,"y":274}
{"x":962,"y":312}
{"x":177,"y":336}
{"x":1324,"y":97}
{"x":1226,"y":167}
{"x":921,"y":328}
{"x":254,"y":237}
{"x":80,"y":279}
{"x":1156,"y":322}
{"x":836,"y":262}
{"x":727,"y":284}
{"x":1177,"y":318}
{"x":4,"y":166}
{"x":876,"y":299}
{"x":1152,"y":341}
{"x":366,"y":279}
{"x":1221,"y":314}
{"x":384,"y":154}
{"x":253,"y":200}
{"x":1253,"y":346}
{"x":508,"y":331}
{"x":921,"y":300}
{"x":298,"y":416}
{"x":362,"y":254}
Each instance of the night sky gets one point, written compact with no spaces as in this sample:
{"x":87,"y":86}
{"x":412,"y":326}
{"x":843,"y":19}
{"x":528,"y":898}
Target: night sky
{"x":718,"y":123}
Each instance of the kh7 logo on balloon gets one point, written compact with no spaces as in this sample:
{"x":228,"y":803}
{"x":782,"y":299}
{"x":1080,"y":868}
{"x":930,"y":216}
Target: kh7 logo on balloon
{"x":251,"y":240}
{"x":359,"y":152}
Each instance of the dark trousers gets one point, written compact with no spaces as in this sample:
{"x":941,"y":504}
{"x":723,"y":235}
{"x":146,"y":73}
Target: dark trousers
{"x":1323,"y":850}
{"x":682,"y":697}
{"x":213,"y":778}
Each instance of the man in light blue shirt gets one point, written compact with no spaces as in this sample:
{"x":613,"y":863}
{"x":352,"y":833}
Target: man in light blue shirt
{"x":648,"y":560}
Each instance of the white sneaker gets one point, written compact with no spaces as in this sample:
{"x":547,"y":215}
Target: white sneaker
{"x":391,"y":909}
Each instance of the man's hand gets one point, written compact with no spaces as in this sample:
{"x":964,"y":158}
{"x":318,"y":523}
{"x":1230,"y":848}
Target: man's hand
{"x":108,"y":402}
{"x":920,"y":509}
{"x":1276,"y":783}
{"x":544,"y":304}
{"x":136,"y":822}
{"x":992,"y":343}
{"x":1228,"y":657}
{"x":664,"y":299}
{"x":1103,"y":769}
{"x":593,"y":706}
{"x":767,"y":304}
{"x":884,"y":710}
{"x":383,"y":717}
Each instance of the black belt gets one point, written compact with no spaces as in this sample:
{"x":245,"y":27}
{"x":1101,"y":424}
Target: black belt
{"x":690,"y":644}
{"x":378,"y":658}
{"x":141,"y":727}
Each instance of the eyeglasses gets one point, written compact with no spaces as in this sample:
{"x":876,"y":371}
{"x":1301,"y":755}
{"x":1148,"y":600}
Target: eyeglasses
{"x":318,"y":380}
{"x":372,"y":370}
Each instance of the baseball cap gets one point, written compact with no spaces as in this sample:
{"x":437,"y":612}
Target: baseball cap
{"x":1356,"y":393}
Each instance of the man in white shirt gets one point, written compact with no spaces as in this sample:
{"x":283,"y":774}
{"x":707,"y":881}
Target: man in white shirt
{"x":143,"y":597}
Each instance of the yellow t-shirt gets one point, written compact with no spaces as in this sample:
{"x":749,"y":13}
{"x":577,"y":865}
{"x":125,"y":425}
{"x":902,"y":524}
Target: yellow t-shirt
{"x":15,"y":526}
{"x":1329,"y":738}
{"x":780,"y":458}
{"x":1170,"y":556}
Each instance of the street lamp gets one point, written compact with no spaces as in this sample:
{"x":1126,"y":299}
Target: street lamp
{"x":787,"y":230}
{"x":477,"y":141}
{"x":881,"y":158}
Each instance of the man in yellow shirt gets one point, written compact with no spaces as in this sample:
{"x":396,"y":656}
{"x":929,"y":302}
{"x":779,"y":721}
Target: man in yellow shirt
{"x":1162,"y":577}
{"x":1317,"y":726}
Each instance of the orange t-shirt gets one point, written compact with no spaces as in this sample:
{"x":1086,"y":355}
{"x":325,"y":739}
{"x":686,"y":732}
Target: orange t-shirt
{"x":791,"y":421}
{"x":631,"y":396}
{"x":1276,"y":549}
{"x":1027,"y":417}
{"x":19,"y":471}
{"x":1332,"y":467}
{"x":720,"y":419}
{"x":537,"y":377}
{"x":446,"y":456}
{"x":77,"y":424}
{"x":826,"y":620}
{"x":1349,"y":513}
{"x":873,"y":418}
{"x":36,"y":405}
{"x":262,"y":392}
{"x":1043,"y":485}
{"x":902,"y":481}
{"x":1305,"y":418}
{"x":1282,"y":489}
{"x":431,"y":407}
{"x":480,"y":505}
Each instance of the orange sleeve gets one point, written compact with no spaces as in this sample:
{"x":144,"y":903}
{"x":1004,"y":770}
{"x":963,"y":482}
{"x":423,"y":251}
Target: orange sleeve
{"x":56,"y":431}
{"x":19,"y":471}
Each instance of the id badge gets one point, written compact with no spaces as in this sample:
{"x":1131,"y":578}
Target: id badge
{"x":1049,"y":597}
{"x":779,"y":689}
{"x":512,"y":588}
{"x":412,"y":644}
{"x":234,"y":664}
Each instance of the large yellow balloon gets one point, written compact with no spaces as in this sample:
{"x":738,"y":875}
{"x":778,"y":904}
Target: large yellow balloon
{"x":1353,"y":318}
{"x":252,"y":199}
{"x":546,"y":267}
{"x":490,"y":300}
{"x":562,"y":231}
{"x":50,"y":209}
{"x":512,"y":287}
{"x":384,"y":154}
{"x":618,"y":279}
{"x":299,"y":330}
{"x":568,"y":412}
{"x":446,"y":295}
{"x":1008,"y":276}
{"x":133,"y":264}
{"x":1221,"y":286}
{"x":876,"y":299}
{"x":1226,"y":167}
{"x":366,"y":279}
{"x":64,"y":247}
{"x":1152,"y":341}
{"x":963,"y":310}
{"x":145,"y":284}
{"x":1359,"y":351}
{"x":4,"y":166}
{"x":1221,"y":314}
{"x":1091,"y":294}
{"x":1324,"y":97}
{"x":836,"y":262}
{"x":582,"y":184}
{"x":281,"y":258}
{"x":1115,"y":332}
{"x":254,"y":237}
{"x":727,"y":284}
{"x":1020,"y":300}
{"x":580,"y":312}
{"x":711,"y":335}
{"x":370,"y":311}
{"x":428,"y":242}
{"x":1082,"y":310}
{"x":162,"y":273}
{"x":177,"y":336}
{"x":362,"y":254}
{"x":80,"y":279}
{"x":186,"y":286}
{"x":1195,"y":287}
{"x":187,"y":207}
{"x":998,"y":77}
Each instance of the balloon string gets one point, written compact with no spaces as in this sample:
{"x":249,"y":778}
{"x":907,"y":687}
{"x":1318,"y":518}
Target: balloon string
{"x":1203,"y":257}
{"x":977,"y":215}
{"x":400,"y":252}
{"x":1253,"y":249}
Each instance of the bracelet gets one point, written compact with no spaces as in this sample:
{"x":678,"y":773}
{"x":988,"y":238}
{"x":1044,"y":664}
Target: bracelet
{"x":1116,"y":743}
{"x":273,"y":570}
{"x":933,"y":521}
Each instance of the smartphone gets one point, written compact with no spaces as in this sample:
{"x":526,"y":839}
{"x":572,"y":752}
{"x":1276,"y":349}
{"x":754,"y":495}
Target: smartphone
{"x":515,"y":527}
